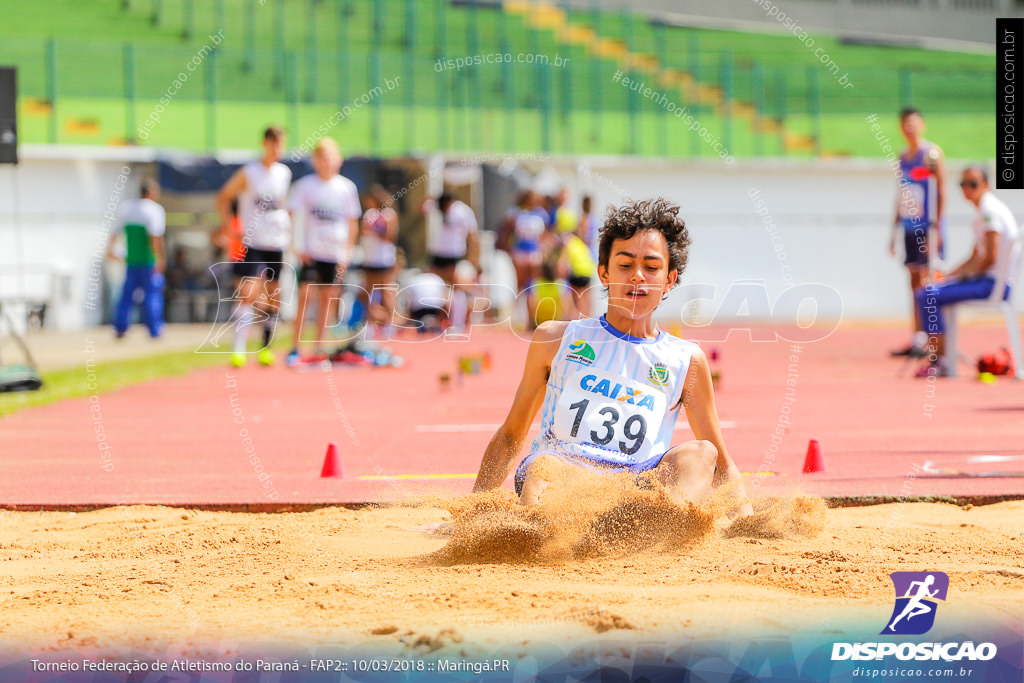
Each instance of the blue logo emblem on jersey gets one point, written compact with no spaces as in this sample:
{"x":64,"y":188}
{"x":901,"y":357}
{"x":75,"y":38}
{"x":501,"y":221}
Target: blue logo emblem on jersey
{"x":581,"y":352}
{"x":618,"y":391}
{"x":917,"y":594}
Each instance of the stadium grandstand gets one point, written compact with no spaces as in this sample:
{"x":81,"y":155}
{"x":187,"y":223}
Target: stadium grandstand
{"x":532,"y":77}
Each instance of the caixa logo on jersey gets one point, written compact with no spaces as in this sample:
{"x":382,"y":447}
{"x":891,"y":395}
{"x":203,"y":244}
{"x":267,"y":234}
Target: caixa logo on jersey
{"x":618,"y":391}
{"x":918,"y":595}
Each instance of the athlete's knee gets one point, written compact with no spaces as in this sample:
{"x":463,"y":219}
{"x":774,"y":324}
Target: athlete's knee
{"x":533,"y":485}
{"x":708,"y":453}
{"x":700,"y":454}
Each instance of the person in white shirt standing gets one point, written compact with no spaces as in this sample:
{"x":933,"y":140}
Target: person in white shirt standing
{"x":143,"y":222}
{"x":328,"y":206}
{"x":457,"y":239}
{"x":996,"y":241}
{"x":261,"y":188}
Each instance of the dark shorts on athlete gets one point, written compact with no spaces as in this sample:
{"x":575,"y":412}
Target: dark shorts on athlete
{"x":376,"y":270}
{"x":579,"y":282}
{"x":423,"y":311}
{"x":444,"y":261}
{"x":319,"y":272}
{"x":260,"y":263}
{"x":915,"y":246}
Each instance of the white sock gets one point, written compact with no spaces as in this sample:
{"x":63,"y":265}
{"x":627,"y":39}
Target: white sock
{"x":457,"y":313}
{"x":243,"y":316}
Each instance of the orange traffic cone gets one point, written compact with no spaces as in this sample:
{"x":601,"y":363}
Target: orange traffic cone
{"x":332,"y":463}
{"x":815,"y":461}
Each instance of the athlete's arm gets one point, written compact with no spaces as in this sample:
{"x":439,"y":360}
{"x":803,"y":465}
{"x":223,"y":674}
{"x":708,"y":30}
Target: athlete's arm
{"x":966,"y":267}
{"x":507,"y":442}
{"x":235,"y":186}
{"x":896,"y":222}
{"x":940,"y":185}
{"x":504,"y":241}
{"x":353,"y":237}
{"x":391,"y":219}
{"x":353,"y":233}
{"x":985,"y":262}
{"x":473,"y":250}
{"x":110,"y":247}
{"x":699,"y":401}
{"x":156,"y":243}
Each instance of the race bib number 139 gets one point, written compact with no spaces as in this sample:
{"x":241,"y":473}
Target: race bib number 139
{"x":620,"y":416}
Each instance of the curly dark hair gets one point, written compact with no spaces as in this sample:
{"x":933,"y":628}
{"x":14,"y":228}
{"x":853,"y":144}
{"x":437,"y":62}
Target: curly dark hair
{"x":622,"y":222}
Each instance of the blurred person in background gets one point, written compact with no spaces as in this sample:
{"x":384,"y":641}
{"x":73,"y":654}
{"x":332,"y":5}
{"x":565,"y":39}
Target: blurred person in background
{"x":143,"y":223}
{"x":996,"y":243}
{"x":920,"y":212}
{"x":524,"y":245}
{"x":576,"y":265}
{"x":327,"y":205}
{"x":457,"y":239}
{"x":588,"y":225}
{"x":261,"y":188}
{"x":378,"y":237}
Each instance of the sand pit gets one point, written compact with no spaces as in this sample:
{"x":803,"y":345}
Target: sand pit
{"x":165,"y":579}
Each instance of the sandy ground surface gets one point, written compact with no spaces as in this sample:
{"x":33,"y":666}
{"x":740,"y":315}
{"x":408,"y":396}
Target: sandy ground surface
{"x":149,"y":578}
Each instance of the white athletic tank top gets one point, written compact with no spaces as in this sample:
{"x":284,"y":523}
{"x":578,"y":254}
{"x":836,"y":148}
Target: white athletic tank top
{"x":378,"y":252}
{"x":611,"y":397}
{"x":529,"y":226}
{"x":261,"y":208}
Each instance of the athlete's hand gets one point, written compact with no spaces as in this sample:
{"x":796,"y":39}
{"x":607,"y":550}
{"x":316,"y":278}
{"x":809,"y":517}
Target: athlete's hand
{"x":737,"y":493}
{"x":304,"y":259}
{"x":892,"y":247}
{"x":938,"y":235}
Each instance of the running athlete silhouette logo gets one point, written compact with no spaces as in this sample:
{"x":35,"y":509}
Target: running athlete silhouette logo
{"x":917,"y":594}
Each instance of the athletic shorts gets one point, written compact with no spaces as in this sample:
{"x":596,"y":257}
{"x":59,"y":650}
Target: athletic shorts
{"x":376,"y":270}
{"x":589,"y":463}
{"x":579,"y":282}
{"x":424,"y":311}
{"x":915,"y":246}
{"x":260,"y":263}
{"x":444,"y":261}
{"x":318,"y":272}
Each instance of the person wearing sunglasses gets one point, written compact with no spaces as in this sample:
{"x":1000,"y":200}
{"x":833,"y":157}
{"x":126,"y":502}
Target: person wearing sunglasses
{"x":995,"y":233}
{"x":920,"y":205}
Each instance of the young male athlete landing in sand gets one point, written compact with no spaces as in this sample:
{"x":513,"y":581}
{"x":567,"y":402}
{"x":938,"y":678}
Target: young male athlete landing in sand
{"x":611,"y":388}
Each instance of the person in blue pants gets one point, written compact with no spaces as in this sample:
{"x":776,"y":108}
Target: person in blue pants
{"x":991,"y":261}
{"x":143,"y":223}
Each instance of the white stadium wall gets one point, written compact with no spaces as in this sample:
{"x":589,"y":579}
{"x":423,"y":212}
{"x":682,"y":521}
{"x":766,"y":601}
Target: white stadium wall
{"x":831,"y":220}
{"x":53,"y":204}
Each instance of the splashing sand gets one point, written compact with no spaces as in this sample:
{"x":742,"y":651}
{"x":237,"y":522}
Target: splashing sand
{"x":593,"y":514}
{"x":781,"y":518}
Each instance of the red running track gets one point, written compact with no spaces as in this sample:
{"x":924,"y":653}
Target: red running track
{"x":258,"y":435}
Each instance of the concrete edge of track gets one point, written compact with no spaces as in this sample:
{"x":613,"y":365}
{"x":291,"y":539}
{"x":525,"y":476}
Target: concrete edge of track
{"x":831,"y":501}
